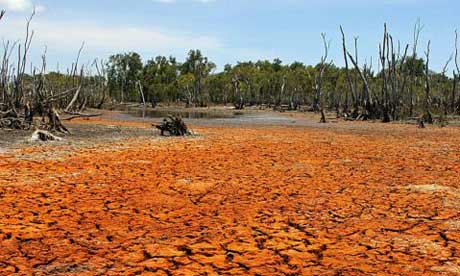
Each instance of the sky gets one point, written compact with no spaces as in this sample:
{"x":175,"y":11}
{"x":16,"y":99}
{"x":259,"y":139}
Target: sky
{"x":227,"y":31}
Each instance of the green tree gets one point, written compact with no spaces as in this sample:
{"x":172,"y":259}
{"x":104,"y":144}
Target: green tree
{"x":124,"y":73}
{"x":200,"y":67}
{"x":159,"y":79}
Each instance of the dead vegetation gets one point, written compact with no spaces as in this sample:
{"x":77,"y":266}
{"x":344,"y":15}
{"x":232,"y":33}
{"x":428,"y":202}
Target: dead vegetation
{"x":29,"y":100}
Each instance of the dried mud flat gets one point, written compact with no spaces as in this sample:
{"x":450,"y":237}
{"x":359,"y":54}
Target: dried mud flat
{"x":265,"y":200}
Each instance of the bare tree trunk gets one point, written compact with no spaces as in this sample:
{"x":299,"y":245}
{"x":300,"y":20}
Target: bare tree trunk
{"x":347,"y":72}
{"x":417,"y":30}
{"x":384,"y":49}
{"x":282,"y":90}
{"x":318,"y":103}
{"x":122,"y":92}
{"x":77,"y":93}
{"x":454,"y":93}
{"x":367,"y":89}
{"x":102,"y":73}
{"x":141,"y":92}
{"x":456,"y":74}
{"x":428,"y":115}
{"x":444,"y":95}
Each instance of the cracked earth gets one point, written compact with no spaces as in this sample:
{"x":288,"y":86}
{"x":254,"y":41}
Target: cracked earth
{"x":384,"y":200}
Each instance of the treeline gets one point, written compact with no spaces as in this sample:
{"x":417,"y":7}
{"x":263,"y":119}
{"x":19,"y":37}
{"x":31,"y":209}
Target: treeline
{"x":402,"y":85}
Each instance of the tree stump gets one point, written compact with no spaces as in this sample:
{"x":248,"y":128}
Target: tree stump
{"x":323,"y":117}
{"x":174,"y":126}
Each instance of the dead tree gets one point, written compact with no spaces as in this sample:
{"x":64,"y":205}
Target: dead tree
{"x":14,"y":100}
{"x":417,"y":30}
{"x":347,"y":72}
{"x":444,"y":93}
{"x":71,"y":105}
{"x":365,"y":101}
{"x":404,"y":75}
{"x":103,"y":85}
{"x":455,"y":105}
{"x":393,"y":77}
{"x":22,"y":99}
{"x":428,"y":117}
{"x":384,"y":51}
{"x":368,"y":103}
{"x":318,"y":102}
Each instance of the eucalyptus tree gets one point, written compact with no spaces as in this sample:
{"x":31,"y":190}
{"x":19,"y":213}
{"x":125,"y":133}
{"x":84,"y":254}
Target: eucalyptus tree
{"x":159,"y":79}
{"x":124,"y":72}
{"x":200,"y":67}
{"x":245,"y":82}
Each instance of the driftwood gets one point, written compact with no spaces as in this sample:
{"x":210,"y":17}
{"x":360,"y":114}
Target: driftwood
{"x":174,"y":126}
{"x":44,"y":136}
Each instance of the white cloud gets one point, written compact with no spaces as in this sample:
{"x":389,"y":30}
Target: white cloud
{"x":16,"y":5}
{"x":21,"y":6}
{"x":68,"y":35}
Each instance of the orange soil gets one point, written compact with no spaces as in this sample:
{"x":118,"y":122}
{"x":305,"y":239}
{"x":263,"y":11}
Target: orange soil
{"x":267,"y":201}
